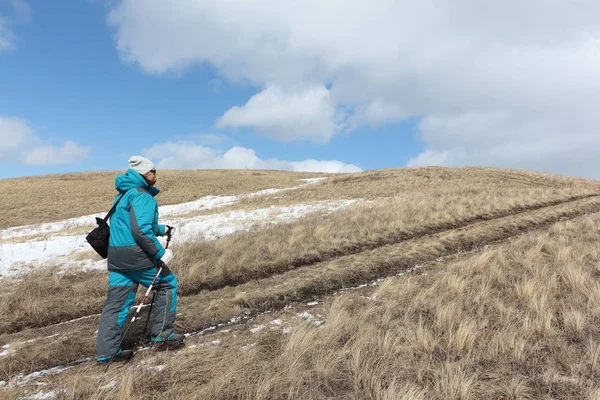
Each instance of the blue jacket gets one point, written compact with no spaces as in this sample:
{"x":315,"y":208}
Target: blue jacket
{"x":134,"y":225}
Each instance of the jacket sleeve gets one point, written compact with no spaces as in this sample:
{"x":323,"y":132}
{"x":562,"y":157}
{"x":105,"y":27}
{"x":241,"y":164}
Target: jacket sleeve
{"x":141,"y":216}
{"x":160,"y":230}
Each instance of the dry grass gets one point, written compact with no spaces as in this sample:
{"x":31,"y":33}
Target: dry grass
{"x":81,"y":230}
{"x":49,"y":198}
{"x":318,"y":255}
{"x":45,"y":297}
{"x":208,"y":308}
{"x":244,"y":256}
{"x":430,"y":182}
{"x":516,"y":321}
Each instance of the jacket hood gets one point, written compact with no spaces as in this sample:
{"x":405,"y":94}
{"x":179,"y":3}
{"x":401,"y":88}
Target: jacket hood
{"x":131,"y":180}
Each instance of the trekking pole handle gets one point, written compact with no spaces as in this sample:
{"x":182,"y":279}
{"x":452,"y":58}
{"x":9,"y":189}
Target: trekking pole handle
{"x":168,"y":233}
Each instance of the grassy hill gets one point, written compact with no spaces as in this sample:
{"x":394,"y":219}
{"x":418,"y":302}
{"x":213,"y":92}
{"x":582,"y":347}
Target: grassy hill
{"x":48,"y":198}
{"x":436,"y":283}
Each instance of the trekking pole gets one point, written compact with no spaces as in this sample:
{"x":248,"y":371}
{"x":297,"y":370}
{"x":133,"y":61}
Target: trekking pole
{"x":137,"y":311}
{"x":149,"y":314}
{"x":134,"y":316}
{"x":154,"y":294}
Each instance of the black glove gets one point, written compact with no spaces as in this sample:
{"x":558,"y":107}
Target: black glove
{"x":165,"y":270}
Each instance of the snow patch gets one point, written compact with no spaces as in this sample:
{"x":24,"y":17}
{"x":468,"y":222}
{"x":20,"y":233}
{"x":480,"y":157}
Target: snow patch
{"x":58,"y":250}
{"x":51,"y":395}
{"x":157,"y":368}
{"x":213,"y":343}
{"x":203,"y":331}
{"x":306,"y":315}
{"x":249,"y":346}
{"x":21,"y":380}
{"x":204,"y":203}
{"x":309,"y":317}
{"x":6,"y":350}
{"x":45,"y":337}
{"x":312,"y":179}
{"x":110,"y":385}
{"x":72,"y":320}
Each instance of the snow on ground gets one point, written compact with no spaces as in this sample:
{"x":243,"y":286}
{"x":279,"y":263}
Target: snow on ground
{"x":204,"y":203}
{"x":157,"y":368}
{"x":51,"y":395}
{"x":213,"y":343}
{"x":71,"y":321}
{"x":110,"y":385}
{"x":21,"y":380}
{"x":6,"y":350}
{"x":59,"y":249}
{"x":309,"y":317}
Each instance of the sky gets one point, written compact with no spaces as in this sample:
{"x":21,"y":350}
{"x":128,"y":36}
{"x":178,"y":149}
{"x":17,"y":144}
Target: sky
{"x":301,"y":85}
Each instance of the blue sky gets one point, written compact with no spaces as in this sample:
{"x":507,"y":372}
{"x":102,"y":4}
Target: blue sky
{"x":291,"y":85}
{"x":65,"y":78}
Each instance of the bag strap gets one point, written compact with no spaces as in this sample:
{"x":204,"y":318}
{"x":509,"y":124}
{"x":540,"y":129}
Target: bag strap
{"x":112,"y":210}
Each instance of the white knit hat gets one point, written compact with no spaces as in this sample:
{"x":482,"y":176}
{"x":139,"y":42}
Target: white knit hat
{"x":140,"y":164}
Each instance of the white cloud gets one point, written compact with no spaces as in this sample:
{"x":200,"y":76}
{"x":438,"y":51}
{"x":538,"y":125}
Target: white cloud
{"x":14,"y":133}
{"x":323,"y":166}
{"x":180,"y":155}
{"x":21,"y":12}
{"x":507,"y":140}
{"x":68,"y":153}
{"x":290,"y":115}
{"x":188,"y":155}
{"x":524,"y":72}
{"x":6,"y":36}
{"x":378,"y":112}
{"x":21,"y":9}
{"x":20,"y":144}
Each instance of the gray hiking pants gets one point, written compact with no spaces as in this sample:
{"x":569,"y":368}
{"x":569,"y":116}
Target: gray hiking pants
{"x":122,"y":287}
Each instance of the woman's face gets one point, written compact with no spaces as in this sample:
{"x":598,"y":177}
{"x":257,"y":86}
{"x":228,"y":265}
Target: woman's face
{"x":150,"y":177}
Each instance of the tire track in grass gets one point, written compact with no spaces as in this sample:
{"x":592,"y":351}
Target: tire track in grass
{"x":76,"y":341}
{"x":237,"y":278}
{"x":261,"y":271}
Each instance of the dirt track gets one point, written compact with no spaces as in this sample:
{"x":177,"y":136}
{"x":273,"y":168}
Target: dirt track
{"x":294,"y":283}
{"x":93,"y":304}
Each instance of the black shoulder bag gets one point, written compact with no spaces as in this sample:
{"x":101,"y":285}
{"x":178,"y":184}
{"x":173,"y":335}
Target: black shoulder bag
{"x":99,"y":236}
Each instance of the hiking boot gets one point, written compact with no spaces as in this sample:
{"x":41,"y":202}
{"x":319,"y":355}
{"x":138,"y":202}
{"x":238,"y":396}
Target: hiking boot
{"x":122,"y":356}
{"x":174,"y":341}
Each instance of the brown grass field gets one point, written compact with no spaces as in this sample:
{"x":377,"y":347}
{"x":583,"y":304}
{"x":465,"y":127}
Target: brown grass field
{"x":49,"y":198}
{"x":260,"y":253}
{"x":503,"y":305}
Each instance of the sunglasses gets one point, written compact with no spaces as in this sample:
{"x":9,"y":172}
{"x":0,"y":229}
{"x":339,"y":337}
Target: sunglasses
{"x":153,"y":171}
